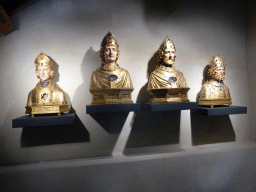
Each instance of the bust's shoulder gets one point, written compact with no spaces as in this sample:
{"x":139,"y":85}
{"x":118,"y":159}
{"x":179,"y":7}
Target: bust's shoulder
{"x":34,"y":90}
{"x":179,"y":72}
{"x":57,"y":88}
{"x":122,"y":70}
{"x":207,"y":84}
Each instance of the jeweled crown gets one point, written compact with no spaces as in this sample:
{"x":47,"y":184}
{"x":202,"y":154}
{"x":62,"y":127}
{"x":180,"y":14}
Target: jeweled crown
{"x":109,"y":39}
{"x":217,"y":61}
{"x":167,"y":43}
{"x":42,"y":59}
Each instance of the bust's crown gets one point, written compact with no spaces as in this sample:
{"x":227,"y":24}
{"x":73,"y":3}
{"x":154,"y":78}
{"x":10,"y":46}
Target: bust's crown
{"x":167,"y":43}
{"x":109,"y":39}
{"x":42,"y":59}
{"x":217,"y":61}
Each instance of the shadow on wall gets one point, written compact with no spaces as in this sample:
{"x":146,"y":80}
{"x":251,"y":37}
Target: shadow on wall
{"x":55,"y":134}
{"x":56,"y":70}
{"x":205,"y":78}
{"x":111,"y":122}
{"x":153,"y":129}
{"x":90,"y":63}
{"x":83,"y":97}
{"x":57,"y":78}
{"x":159,"y":9}
{"x":143,"y":95}
{"x":211,"y":129}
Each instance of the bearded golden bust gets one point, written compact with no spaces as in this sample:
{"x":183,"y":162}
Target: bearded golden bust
{"x":166,"y":84}
{"x":110,"y":84}
{"x":47,"y":96}
{"x":214,"y":91}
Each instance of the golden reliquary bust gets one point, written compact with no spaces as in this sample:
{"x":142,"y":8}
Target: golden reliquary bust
{"x":214,"y":91}
{"x":166,"y":84}
{"x":47,"y":96}
{"x":110,"y":84}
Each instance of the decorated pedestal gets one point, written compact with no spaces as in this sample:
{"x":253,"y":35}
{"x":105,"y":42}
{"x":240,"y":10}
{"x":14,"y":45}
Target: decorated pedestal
{"x":42,"y":109}
{"x":111,"y":96}
{"x":169,"y":95}
{"x":214,"y":102}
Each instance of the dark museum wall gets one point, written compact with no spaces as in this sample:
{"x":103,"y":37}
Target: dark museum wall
{"x":150,"y":152}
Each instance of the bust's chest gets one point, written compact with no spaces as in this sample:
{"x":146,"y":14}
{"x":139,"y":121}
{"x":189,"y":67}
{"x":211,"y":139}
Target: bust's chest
{"x":44,"y":95}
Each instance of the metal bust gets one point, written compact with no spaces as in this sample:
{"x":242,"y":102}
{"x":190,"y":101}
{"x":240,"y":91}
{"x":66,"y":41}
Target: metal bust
{"x":166,"y":84}
{"x":214,"y":91}
{"x":47,"y":96}
{"x":110,"y":84}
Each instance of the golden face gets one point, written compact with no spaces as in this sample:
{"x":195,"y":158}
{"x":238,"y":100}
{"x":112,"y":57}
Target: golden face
{"x":220,"y":73}
{"x":218,"y":60}
{"x":44,"y":73}
{"x":110,"y":53}
{"x":169,"y":56}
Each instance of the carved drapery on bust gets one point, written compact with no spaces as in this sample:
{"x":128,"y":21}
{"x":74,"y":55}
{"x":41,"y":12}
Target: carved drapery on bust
{"x":214,"y":91}
{"x":166,"y":77}
{"x":166,"y":84}
{"x":47,"y":96}
{"x":115,"y":77}
{"x":110,"y":84}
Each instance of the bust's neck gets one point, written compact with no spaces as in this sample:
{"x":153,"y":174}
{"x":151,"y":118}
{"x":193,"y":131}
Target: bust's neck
{"x":110,"y":66}
{"x":168,"y":68}
{"x":216,"y":82}
{"x":45,"y":83}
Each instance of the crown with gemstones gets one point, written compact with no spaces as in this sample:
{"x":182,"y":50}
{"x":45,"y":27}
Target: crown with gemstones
{"x":42,"y":59}
{"x":167,"y":43}
{"x":217,"y":61}
{"x":109,"y":39}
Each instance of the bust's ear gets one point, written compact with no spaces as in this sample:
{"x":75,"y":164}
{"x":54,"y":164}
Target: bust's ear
{"x":37,"y":74}
{"x":52,"y":74}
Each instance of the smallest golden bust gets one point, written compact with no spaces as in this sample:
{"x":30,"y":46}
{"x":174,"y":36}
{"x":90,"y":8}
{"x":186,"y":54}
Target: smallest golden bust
{"x":214,"y":91}
{"x":166,"y":84}
{"x":47,"y":96}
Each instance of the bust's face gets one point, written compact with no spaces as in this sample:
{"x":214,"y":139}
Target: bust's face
{"x":44,"y":73}
{"x":110,"y":53}
{"x":220,"y":73}
{"x":169,"y":56}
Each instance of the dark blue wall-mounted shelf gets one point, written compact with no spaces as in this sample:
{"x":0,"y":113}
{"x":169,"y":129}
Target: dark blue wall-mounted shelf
{"x":112,"y":108}
{"x":220,"y":110}
{"x":43,"y":120}
{"x":156,"y":107}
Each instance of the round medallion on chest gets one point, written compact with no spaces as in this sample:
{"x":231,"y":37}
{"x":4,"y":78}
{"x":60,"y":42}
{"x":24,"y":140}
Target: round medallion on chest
{"x":44,"y":96}
{"x":172,"y":79}
{"x":112,"y":77}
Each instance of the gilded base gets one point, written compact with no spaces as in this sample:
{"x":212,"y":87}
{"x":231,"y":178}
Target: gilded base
{"x":111,"y":96}
{"x":213,"y":102}
{"x":40,"y":109}
{"x":168,"y":95}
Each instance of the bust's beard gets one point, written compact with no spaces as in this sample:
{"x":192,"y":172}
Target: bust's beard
{"x":219,"y":77}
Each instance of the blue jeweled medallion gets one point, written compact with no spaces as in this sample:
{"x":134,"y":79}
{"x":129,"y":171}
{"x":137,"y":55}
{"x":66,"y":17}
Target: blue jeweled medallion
{"x":172,"y":79}
{"x":112,"y":77}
